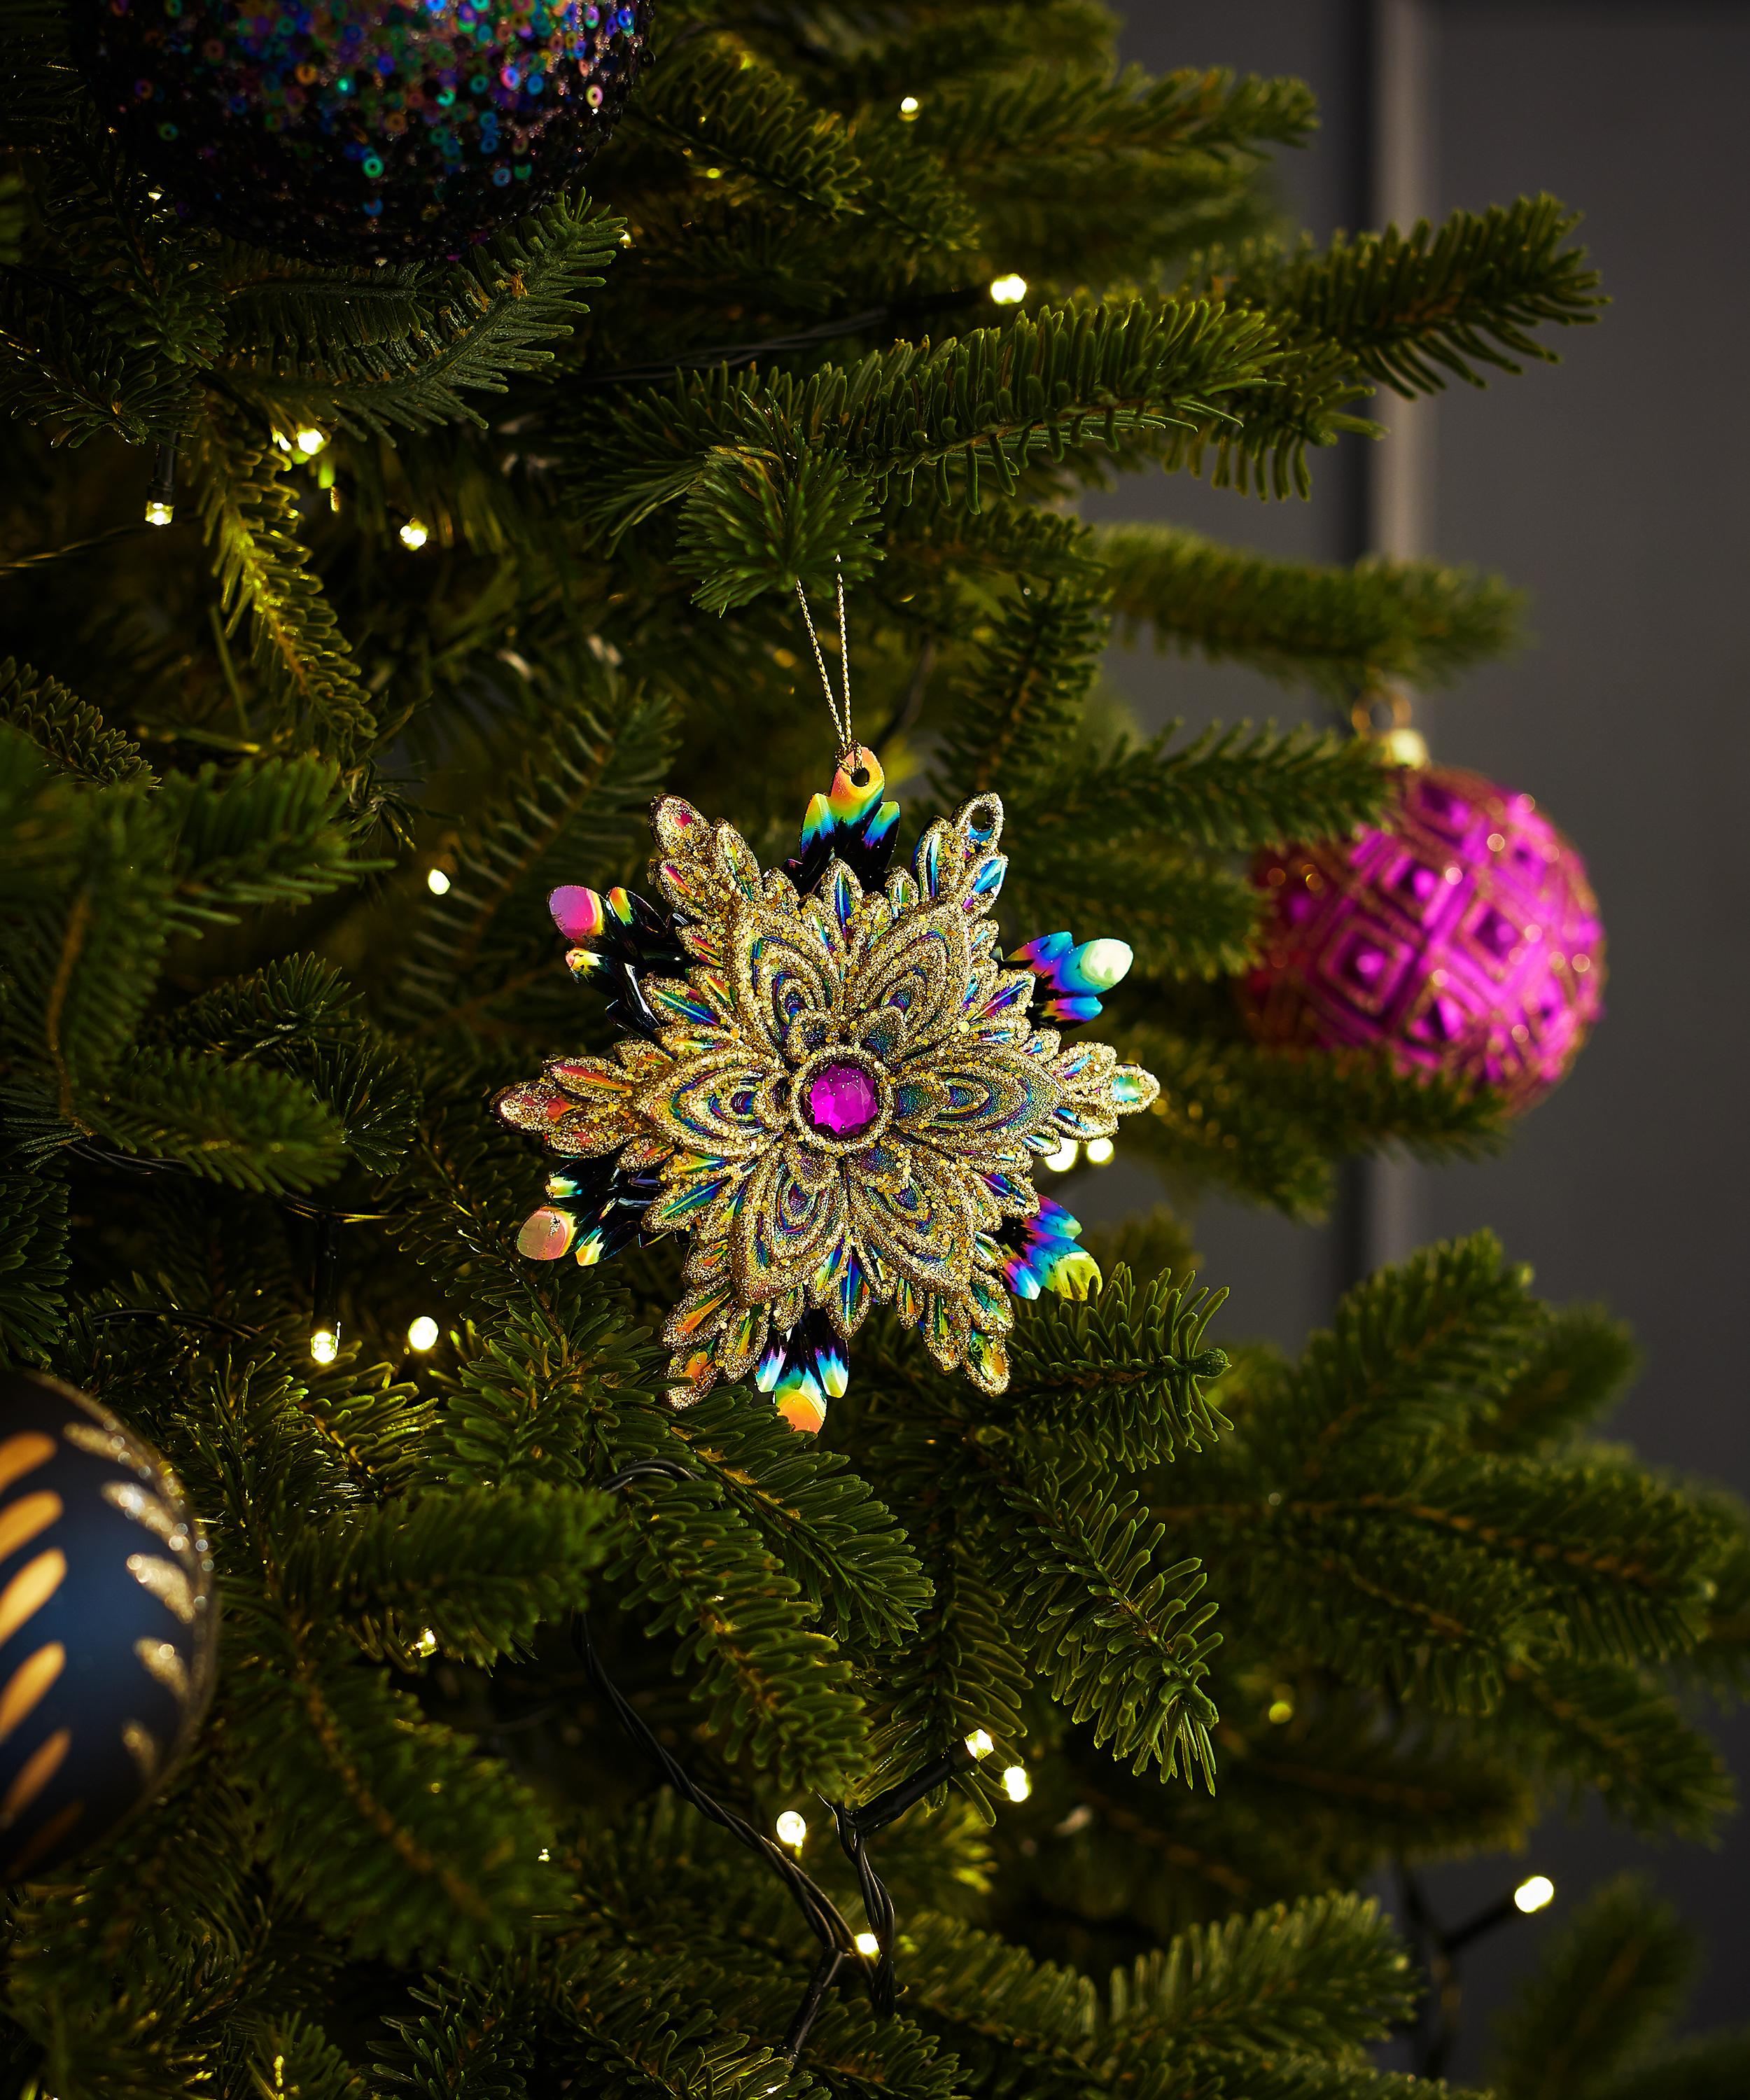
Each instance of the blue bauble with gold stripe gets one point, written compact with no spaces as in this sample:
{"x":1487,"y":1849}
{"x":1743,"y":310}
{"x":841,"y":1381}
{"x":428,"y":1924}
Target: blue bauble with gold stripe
{"x":109,"y":1623}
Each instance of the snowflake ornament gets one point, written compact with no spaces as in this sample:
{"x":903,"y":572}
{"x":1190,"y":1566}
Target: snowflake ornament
{"x":833,"y":1083}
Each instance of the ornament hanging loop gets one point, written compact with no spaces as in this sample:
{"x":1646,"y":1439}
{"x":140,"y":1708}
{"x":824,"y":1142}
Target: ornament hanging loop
{"x":839,"y":703}
{"x":1400,"y":740}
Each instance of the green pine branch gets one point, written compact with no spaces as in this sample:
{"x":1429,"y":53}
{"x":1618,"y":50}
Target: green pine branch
{"x":1604,"y":1729}
{"x":1268,"y":1123}
{"x":33,"y":1259}
{"x":1343,"y":630}
{"x":476,"y":1570}
{"x":1123,"y":1373}
{"x":1022,"y":694}
{"x":1577,"y":1367}
{"x":981,"y":406}
{"x":1409,"y":308}
{"x":66,"y":730}
{"x":297,"y":650}
{"x":300,"y":355}
{"x":734,"y":120}
{"x":1232,"y":788}
{"x":1320,"y":1979}
{"x":1117,"y":1633}
{"x":242,"y":1124}
{"x":573,"y":810}
{"x":277,"y":831}
{"x":832,"y":1537}
{"x":1611,"y":1986}
{"x":297,"y":1016}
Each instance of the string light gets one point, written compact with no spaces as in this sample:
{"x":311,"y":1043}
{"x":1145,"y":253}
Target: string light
{"x":324,"y":1345}
{"x":422,"y":1333}
{"x":855,"y":1826}
{"x":1008,"y":291}
{"x":1534,"y":1894}
{"x":437,"y":882}
{"x":1064,"y":1157}
{"x":414,"y":536}
{"x":909,"y":108}
{"x":1099,"y":1150}
{"x":427,"y":1643}
{"x":1280,"y":1708}
{"x":160,"y":494}
{"x":310,"y":442}
{"x":1015,"y":1783}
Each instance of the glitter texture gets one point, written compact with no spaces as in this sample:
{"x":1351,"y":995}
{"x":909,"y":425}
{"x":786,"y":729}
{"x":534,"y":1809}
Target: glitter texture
{"x":1463,"y":936}
{"x":839,"y":1097}
{"x":361,"y":128}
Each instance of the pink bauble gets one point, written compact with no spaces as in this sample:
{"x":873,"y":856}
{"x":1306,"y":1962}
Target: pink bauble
{"x":1463,"y":936}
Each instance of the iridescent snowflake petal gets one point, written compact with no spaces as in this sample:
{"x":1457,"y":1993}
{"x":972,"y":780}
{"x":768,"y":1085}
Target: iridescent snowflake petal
{"x":849,"y":821}
{"x":546,"y":1234}
{"x":1133,"y":1089}
{"x":1074,"y":977}
{"x":699,"y":1314}
{"x":801,"y":1367}
{"x":986,"y":1357}
{"x":671,"y":999}
{"x":1042,"y":1253}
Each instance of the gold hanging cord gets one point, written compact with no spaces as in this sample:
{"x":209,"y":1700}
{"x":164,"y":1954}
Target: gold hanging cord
{"x":839,"y":706}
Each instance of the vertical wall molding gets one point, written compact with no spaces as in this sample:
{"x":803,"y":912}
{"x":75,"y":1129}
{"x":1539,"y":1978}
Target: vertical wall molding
{"x":1380,"y":1218}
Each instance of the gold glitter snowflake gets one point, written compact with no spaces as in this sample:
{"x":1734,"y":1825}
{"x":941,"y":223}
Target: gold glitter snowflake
{"x":835,"y":1086}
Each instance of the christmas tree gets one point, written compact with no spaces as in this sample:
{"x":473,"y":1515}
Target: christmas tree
{"x":1041,"y":1740}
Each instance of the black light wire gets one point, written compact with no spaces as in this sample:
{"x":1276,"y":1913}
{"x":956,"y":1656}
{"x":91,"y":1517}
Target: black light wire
{"x":855,"y":1826}
{"x":838,"y":1943}
{"x":1434,"y":2029}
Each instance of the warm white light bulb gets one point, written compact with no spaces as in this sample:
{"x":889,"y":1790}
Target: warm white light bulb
{"x":979,"y":1745}
{"x":1099,"y":1150}
{"x":422,"y":1333}
{"x":1534,"y":1894}
{"x":437,"y":882}
{"x":414,"y":535}
{"x":909,"y":108}
{"x":159,"y":512}
{"x":1008,"y":291}
{"x":1064,"y":1157}
{"x":310,"y":442}
{"x":791,"y":1829}
{"x":867,"y":1944}
{"x":427,"y":1643}
{"x":1015,"y":1783}
{"x":324,"y":1345}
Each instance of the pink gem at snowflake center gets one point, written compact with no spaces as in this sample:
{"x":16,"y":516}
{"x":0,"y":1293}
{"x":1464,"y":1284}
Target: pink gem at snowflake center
{"x":842,"y":1100}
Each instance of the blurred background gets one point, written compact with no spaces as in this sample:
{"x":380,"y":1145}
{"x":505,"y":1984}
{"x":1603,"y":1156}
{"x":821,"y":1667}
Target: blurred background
{"x":1610,"y":487}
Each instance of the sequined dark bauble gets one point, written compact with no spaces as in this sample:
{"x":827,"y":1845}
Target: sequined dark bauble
{"x":360,"y":129}
{"x":1461,"y":936}
{"x":108,"y":1624}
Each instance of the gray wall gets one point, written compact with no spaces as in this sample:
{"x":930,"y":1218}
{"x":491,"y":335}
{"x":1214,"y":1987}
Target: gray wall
{"x":1611,"y":487}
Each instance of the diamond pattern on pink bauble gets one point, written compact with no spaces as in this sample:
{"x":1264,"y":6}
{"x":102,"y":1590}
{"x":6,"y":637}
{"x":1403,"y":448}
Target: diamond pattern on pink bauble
{"x":1463,"y":937}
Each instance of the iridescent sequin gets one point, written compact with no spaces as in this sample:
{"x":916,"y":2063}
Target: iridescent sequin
{"x":360,"y":128}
